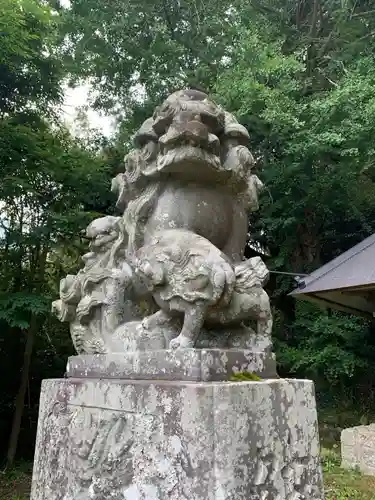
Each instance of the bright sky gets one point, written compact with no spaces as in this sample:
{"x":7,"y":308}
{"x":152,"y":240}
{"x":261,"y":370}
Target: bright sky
{"x":74,"y":98}
{"x":79,"y":96}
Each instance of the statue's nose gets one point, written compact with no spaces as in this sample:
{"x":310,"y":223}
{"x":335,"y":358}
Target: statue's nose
{"x":187,"y":127}
{"x":194,"y":124}
{"x":196,"y":132}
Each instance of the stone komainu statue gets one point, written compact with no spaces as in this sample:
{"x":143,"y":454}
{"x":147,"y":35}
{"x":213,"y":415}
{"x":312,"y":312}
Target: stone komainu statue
{"x":170,"y":272}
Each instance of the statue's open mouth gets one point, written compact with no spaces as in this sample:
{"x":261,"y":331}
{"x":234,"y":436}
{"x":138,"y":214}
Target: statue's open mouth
{"x":102,"y":239}
{"x":185,"y":155}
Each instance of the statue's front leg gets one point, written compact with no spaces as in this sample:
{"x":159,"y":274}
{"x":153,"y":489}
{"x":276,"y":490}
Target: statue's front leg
{"x":264,"y":320}
{"x":194,"y":316}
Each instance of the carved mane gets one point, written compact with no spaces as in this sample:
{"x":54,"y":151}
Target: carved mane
{"x":136,"y":214}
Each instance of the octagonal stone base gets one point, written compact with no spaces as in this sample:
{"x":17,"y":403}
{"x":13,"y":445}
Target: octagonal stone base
{"x":175,"y":440}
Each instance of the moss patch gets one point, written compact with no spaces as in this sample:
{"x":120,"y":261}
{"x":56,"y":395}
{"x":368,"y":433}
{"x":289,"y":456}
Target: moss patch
{"x":244,"y":377}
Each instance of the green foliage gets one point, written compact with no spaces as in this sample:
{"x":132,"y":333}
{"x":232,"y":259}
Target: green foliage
{"x":306,"y":98}
{"x":16,"y":308}
{"x":15,"y":482}
{"x":309,"y":147}
{"x":335,"y":350}
{"x":52,"y":185}
{"x":137,"y":52}
{"x":49,"y":181}
{"x":299,"y":75}
{"x":30,"y":73}
{"x":342,"y":484}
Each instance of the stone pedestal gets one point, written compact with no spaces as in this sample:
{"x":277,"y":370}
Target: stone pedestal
{"x":121,"y":437}
{"x":182,"y":364}
{"x":358,"y":448}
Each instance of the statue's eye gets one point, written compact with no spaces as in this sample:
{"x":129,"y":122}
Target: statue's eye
{"x":211,"y":120}
{"x":200,"y":281}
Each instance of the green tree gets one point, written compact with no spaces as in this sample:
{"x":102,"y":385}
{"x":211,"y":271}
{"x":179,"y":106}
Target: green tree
{"x":50,"y":182}
{"x":136,"y":52}
{"x":305,"y":92}
{"x":30,"y":72}
{"x":299,"y":75}
{"x":46,"y":180}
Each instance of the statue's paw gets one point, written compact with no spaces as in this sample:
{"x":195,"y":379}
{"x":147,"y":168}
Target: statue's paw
{"x":150,"y":323}
{"x":146,"y":324}
{"x":181,"y":342}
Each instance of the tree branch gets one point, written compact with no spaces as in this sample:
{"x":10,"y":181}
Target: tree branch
{"x":363,"y":14}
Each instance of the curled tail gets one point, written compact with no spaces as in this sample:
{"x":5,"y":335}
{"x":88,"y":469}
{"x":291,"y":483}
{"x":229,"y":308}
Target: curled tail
{"x":250,"y":273}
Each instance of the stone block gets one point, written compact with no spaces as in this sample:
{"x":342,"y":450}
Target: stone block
{"x":358,"y":448}
{"x":182,"y":364}
{"x":174,"y":440}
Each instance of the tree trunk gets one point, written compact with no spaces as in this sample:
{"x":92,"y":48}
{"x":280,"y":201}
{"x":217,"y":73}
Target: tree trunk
{"x":31,"y":334}
{"x":20,"y":399}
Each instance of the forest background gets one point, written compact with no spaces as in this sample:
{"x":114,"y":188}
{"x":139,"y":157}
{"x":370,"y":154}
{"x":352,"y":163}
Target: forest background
{"x":300,"y":75}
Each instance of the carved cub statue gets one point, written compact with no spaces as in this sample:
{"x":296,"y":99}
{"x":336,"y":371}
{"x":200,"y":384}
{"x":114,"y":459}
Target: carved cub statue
{"x":187,"y":275}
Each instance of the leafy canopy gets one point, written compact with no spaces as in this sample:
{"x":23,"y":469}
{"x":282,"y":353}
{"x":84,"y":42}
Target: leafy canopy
{"x":30,"y":72}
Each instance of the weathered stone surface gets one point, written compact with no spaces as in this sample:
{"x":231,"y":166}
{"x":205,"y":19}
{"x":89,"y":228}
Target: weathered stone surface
{"x":138,"y":440}
{"x":188,"y":276}
{"x":358,"y":448}
{"x":177,"y":249}
{"x":136,"y":420}
{"x":181,"y":364}
{"x":242,"y":337}
{"x":137,"y":336}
